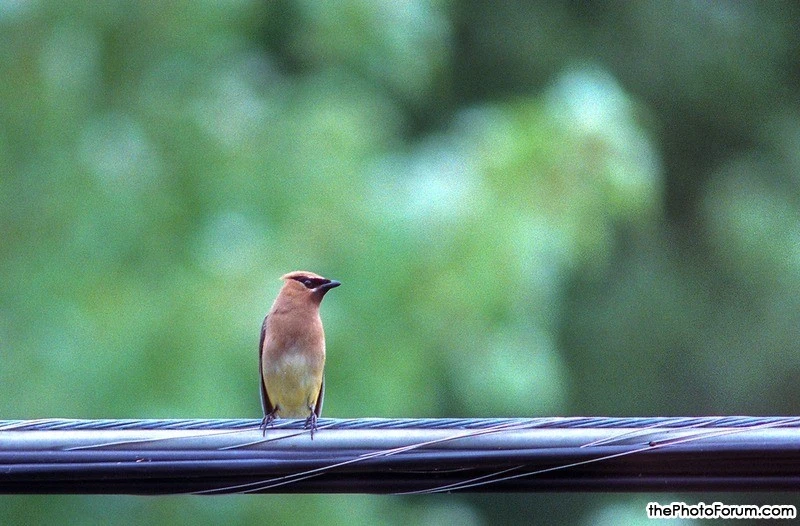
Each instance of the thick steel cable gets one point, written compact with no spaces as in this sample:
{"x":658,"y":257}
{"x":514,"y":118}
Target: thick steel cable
{"x":400,"y":455}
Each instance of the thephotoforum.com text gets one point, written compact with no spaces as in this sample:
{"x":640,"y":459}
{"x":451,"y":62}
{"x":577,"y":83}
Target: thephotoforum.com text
{"x":718,"y":510}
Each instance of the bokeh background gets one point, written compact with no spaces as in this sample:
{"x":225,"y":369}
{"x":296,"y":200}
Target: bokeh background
{"x":561,"y":208}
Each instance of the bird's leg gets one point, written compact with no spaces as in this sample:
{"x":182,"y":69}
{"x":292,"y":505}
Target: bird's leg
{"x":311,"y":422}
{"x":267,"y":420}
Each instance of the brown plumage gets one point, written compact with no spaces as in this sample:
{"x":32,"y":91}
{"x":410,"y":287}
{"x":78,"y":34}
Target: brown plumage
{"x":292,"y":350}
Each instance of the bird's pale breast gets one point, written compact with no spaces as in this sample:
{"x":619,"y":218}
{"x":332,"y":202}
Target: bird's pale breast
{"x":293,"y":382}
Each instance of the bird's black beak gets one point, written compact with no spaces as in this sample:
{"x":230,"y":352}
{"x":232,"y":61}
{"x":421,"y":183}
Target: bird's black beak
{"x":325,"y":287}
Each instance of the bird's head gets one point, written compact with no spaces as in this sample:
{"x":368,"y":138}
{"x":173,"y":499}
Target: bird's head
{"x":303,"y":284}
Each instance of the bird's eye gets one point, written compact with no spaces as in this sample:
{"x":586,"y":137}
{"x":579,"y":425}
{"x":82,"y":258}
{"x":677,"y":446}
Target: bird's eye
{"x":308,"y":283}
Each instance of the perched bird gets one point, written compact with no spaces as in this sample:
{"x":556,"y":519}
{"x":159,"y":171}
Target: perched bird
{"x":292,"y":350}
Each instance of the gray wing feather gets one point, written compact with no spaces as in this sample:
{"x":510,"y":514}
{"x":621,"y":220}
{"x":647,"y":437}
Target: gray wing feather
{"x":266,"y":405}
{"x":318,"y":407}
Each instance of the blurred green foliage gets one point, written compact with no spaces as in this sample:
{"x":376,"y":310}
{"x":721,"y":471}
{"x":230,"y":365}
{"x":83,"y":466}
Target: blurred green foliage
{"x":535,"y":208}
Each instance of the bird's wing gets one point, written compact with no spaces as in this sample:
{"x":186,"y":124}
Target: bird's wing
{"x":318,"y":407}
{"x":266,"y":405}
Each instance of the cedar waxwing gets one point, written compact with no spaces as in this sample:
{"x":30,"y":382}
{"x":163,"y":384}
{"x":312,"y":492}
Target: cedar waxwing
{"x":292,"y":350}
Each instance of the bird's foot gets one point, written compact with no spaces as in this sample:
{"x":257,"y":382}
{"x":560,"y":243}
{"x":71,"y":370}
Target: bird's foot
{"x":266,"y":421}
{"x":311,"y":422}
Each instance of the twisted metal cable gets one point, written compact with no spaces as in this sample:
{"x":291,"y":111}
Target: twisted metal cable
{"x":400,"y":455}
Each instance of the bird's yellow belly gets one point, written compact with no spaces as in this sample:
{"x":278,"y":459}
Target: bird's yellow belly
{"x":293,"y":385}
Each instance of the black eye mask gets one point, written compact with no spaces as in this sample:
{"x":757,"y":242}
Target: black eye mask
{"x":311,"y":283}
